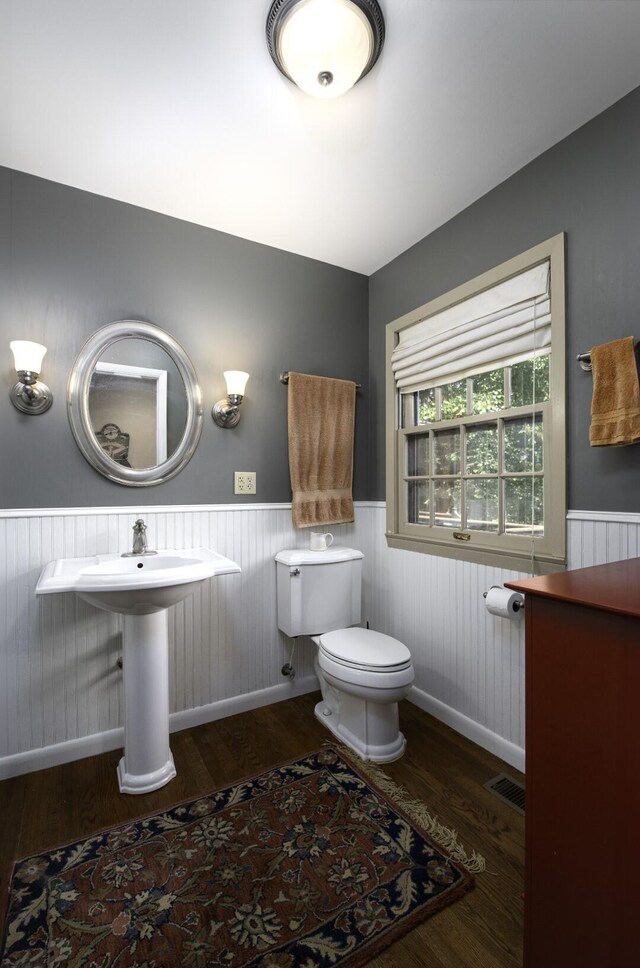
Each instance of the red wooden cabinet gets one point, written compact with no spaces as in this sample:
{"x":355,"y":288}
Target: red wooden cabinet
{"x":582,"y":855}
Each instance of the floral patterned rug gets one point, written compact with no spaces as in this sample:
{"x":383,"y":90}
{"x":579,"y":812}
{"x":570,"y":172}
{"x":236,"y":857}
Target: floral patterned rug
{"x":307,"y":865}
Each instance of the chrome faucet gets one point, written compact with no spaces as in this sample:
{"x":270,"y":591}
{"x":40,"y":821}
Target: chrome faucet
{"x":139,"y":541}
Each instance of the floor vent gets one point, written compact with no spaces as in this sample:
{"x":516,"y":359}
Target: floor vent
{"x":508,"y":790}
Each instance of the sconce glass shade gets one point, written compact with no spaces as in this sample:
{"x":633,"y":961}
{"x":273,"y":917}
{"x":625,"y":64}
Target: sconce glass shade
{"x":236,"y":382}
{"x":325,"y":46}
{"x":28,"y":356}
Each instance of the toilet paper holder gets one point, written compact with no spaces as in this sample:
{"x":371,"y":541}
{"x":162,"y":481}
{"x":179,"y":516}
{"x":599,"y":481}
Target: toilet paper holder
{"x":516,"y":605}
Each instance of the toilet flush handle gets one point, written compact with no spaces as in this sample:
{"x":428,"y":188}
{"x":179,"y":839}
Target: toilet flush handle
{"x":294,"y":572}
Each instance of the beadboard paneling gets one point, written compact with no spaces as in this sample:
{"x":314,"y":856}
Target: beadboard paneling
{"x":469,"y":664}
{"x":59,"y":679}
{"x":595,"y":538}
{"x":59,"y":682}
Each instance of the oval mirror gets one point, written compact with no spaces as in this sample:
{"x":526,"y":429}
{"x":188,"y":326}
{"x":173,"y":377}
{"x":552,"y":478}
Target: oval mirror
{"x":134,"y":403}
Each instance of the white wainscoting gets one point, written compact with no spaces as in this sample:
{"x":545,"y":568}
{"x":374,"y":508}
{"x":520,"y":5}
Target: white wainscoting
{"x":470,"y":664}
{"x":60,"y":688}
{"x":597,"y":537}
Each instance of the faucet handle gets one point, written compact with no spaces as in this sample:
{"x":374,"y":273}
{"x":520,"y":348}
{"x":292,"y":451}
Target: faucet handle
{"x":139,"y":526}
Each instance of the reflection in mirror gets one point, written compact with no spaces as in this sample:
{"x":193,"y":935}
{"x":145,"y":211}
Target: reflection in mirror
{"x":134,"y":404}
{"x":128,"y":409}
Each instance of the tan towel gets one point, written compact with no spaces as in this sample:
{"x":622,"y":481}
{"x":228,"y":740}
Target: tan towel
{"x":615,"y":406}
{"x":321,"y":422}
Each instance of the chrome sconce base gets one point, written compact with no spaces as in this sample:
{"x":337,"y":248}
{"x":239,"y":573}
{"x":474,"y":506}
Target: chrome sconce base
{"x":29,"y":395}
{"x":226,"y":413}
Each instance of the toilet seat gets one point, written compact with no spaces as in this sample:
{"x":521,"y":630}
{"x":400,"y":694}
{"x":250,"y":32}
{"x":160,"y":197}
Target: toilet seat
{"x":363,"y":658}
{"x":365,"y":649}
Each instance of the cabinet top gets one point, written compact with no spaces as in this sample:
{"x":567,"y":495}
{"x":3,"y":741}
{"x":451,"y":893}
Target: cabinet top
{"x":613,"y":588}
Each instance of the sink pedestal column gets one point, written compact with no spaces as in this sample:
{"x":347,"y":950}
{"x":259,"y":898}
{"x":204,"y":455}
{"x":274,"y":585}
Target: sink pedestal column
{"x":147,"y":763}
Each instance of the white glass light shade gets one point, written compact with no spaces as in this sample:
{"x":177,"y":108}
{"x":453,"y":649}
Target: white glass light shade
{"x":27,"y":355}
{"x":236,"y":381}
{"x":325,"y":38}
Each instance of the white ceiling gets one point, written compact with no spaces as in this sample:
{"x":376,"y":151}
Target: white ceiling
{"x":175,"y":105}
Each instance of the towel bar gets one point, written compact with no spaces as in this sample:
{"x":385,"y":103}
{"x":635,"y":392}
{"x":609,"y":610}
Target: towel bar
{"x":584,"y":359}
{"x":284,"y":378}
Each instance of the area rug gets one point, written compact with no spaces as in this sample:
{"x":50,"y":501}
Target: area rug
{"x":307,"y":865}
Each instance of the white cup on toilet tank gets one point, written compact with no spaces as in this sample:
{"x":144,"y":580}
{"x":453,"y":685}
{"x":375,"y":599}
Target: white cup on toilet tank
{"x":320,"y":540}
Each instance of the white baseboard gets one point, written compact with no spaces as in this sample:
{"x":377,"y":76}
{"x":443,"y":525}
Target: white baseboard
{"x":73,"y":749}
{"x":241,"y":704}
{"x":79,"y":749}
{"x":507,"y":751}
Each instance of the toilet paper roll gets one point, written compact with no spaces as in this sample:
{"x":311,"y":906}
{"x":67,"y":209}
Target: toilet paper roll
{"x":505,"y":603}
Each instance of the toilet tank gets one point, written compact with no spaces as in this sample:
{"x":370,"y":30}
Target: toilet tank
{"x":318,"y":591}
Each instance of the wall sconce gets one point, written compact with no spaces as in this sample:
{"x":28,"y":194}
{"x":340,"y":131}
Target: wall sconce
{"x":325,"y":46}
{"x":29,"y":395}
{"x":226,"y":413}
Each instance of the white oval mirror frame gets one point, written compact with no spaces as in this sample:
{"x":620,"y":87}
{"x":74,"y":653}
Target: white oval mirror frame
{"x":78,"y":404}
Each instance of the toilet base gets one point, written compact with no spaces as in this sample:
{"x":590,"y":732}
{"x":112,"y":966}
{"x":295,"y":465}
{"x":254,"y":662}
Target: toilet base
{"x":369,"y":729}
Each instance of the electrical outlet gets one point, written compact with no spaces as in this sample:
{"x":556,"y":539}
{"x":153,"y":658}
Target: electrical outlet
{"x":244,"y":482}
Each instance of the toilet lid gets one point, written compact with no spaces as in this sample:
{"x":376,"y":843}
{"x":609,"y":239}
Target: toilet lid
{"x":365,"y":648}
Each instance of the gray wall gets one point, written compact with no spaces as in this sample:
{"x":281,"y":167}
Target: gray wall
{"x":588,"y":185}
{"x":71,"y":262}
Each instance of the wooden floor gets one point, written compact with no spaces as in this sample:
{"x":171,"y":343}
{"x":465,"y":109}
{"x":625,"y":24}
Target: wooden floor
{"x":483,"y":930}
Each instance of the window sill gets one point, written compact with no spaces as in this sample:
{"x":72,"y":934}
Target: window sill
{"x":509,"y":559}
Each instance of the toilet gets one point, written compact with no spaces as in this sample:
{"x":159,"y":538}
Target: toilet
{"x":363,"y":674}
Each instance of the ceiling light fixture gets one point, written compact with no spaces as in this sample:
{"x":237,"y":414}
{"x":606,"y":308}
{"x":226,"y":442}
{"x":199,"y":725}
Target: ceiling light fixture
{"x":325,"y":46}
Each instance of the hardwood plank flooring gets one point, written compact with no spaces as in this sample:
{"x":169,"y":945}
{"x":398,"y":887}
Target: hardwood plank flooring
{"x":440,"y":767}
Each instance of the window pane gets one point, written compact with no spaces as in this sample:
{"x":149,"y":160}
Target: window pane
{"x":524,"y":501}
{"x":482,"y":449}
{"x":426,"y":406}
{"x":530,"y":382}
{"x":418,"y":502}
{"x":454,"y":400}
{"x":447,"y":452}
{"x":523,"y":445}
{"x":482,"y":505}
{"x":446,"y":499}
{"x":418,"y":455}
{"x":488,"y":391}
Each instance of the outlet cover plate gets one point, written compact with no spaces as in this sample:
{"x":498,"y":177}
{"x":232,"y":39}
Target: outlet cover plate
{"x":244,"y":482}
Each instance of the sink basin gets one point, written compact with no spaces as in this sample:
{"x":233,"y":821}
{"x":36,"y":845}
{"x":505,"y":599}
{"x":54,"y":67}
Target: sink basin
{"x":134,"y":586}
{"x":142,"y":588}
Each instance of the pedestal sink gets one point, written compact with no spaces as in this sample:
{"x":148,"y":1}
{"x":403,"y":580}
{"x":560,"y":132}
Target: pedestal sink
{"x":141,"y":588}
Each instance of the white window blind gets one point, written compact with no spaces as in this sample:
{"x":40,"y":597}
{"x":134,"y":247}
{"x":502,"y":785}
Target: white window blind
{"x":501,"y":325}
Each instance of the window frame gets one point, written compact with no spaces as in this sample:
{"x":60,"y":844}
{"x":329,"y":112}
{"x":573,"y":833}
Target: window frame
{"x":503,"y":550}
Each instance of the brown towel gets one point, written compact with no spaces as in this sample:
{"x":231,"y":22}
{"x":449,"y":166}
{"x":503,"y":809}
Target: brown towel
{"x":615,"y":406}
{"x":321,"y":422}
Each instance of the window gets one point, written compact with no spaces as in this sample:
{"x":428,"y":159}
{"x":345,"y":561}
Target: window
{"x":476,"y":440}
